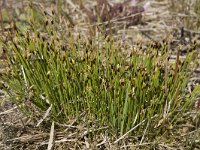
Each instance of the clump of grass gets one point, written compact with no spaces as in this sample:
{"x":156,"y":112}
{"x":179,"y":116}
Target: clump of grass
{"x":140,"y":88}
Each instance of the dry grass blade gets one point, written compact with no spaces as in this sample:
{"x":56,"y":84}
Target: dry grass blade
{"x":28,"y":138}
{"x":51,"y":139}
{"x":87,"y":143}
{"x":8,"y":111}
{"x":45,"y":116}
{"x":136,"y":145}
{"x":144,"y":132}
{"x":167,"y":147}
{"x":71,"y":4}
{"x":64,"y":140}
{"x":123,"y":136}
{"x":103,"y":142}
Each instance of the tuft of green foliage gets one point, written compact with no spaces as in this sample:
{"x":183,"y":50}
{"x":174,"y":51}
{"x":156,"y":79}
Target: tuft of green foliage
{"x":98,"y":82}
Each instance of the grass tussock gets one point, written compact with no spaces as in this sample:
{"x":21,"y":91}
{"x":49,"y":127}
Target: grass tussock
{"x":99,"y":84}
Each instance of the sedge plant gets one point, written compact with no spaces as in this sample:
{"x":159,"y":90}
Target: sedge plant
{"x":140,"y":90}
